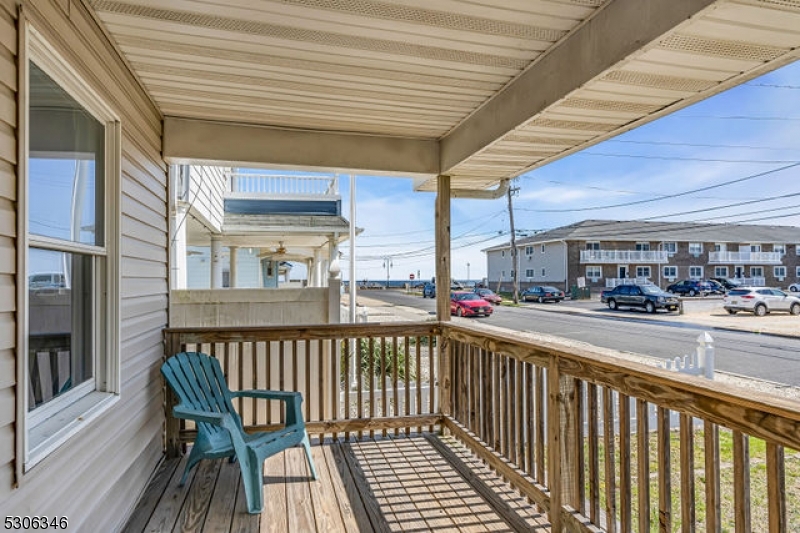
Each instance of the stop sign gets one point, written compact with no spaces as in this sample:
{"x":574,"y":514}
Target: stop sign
{"x":411,"y":276}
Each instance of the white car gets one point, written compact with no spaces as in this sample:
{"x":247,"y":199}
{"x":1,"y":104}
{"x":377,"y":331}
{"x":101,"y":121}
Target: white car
{"x":760,"y":301}
{"x":794,"y":287}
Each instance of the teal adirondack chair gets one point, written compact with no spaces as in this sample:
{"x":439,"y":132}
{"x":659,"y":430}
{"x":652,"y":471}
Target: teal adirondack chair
{"x":199,"y":383}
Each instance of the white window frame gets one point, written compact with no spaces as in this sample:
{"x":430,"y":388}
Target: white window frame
{"x":781,"y":248}
{"x":645,"y":268}
{"x":695,"y":248}
{"x":720,"y":247}
{"x":672,"y":273}
{"x":779,"y":276}
{"x":695,"y":268}
{"x":642,"y":246}
{"x":595,"y":245}
{"x":542,"y":249}
{"x":755,"y":247}
{"x":529,"y":250}
{"x":671,"y":247}
{"x":40,"y":432}
{"x":721,"y":271}
{"x":797,"y":272}
{"x":591,"y":270}
{"x":543,"y":272}
{"x":529,"y":273}
{"x":753,"y":270}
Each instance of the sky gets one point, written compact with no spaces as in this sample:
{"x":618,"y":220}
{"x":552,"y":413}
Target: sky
{"x":696,"y":164}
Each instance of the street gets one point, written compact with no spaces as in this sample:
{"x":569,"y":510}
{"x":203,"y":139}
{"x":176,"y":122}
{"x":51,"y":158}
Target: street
{"x":766,"y":357}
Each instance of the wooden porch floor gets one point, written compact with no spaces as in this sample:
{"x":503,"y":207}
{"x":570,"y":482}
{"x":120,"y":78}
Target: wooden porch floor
{"x":422,"y":482}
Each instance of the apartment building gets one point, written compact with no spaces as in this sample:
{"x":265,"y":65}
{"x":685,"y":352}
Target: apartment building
{"x":603,"y":253}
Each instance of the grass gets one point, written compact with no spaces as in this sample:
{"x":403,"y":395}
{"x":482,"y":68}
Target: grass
{"x":758,"y":482}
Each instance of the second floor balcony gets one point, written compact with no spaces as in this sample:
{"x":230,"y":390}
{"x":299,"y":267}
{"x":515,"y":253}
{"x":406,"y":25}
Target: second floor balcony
{"x":624,"y":256}
{"x":754,"y":258}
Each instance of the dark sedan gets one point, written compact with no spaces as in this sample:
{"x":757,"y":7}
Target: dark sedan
{"x":647,"y":297}
{"x":542,"y":293}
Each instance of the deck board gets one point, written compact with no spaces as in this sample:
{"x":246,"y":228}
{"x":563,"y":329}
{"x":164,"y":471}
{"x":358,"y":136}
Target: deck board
{"x":397,"y":483}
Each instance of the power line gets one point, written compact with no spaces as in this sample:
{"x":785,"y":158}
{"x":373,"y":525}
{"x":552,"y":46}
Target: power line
{"x":678,"y":158}
{"x":701,"y":145}
{"x":666,"y":196}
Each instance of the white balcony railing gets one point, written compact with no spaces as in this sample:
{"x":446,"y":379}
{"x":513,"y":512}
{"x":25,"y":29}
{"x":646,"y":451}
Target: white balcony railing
{"x":761,"y":258}
{"x":624,"y":256}
{"x":283,"y":185}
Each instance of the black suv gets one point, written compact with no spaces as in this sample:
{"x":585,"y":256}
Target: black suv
{"x":648,"y":297}
{"x":692,"y":287}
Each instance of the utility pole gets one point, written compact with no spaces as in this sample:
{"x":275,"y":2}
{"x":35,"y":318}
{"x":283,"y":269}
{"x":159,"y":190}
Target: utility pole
{"x":514,"y":261}
{"x":387,"y":262}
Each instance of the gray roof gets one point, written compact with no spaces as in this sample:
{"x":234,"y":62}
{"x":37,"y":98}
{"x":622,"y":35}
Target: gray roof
{"x":636,"y":231}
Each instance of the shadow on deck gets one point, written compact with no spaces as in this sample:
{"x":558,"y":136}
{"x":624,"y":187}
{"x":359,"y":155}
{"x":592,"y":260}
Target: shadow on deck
{"x":418,"y":483}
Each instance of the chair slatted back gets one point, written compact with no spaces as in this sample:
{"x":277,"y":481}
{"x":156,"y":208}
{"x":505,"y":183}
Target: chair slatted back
{"x":198,"y":381}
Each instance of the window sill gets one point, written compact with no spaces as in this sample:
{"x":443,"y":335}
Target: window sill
{"x":46,"y":436}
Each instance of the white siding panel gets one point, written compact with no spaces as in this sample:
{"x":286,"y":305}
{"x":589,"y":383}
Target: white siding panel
{"x":8,"y":368}
{"x":8,"y":105}
{"x":8,"y":180}
{"x":96,"y":476}
{"x":8,"y":243}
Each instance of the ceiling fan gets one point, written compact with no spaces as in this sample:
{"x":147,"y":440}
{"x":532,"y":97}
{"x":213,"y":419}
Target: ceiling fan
{"x":281,"y":249}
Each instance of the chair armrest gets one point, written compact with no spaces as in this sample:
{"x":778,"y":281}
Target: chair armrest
{"x":209,"y":417}
{"x":267,"y":394}
{"x":294,"y":415}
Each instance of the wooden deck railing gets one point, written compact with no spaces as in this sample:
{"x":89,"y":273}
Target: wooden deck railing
{"x":613,"y":445}
{"x":622,"y":446}
{"x":393,"y":390}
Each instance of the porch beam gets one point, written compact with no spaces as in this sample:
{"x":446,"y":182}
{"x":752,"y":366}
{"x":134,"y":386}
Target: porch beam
{"x":618,"y":30}
{"x":210,"y":142}
{"x":443,"y":248}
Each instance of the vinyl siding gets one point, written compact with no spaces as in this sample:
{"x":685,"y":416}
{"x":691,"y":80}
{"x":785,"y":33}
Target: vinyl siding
{"x":8,"y":243}
{"x":206,"y":189}
{"x":96,"y":476}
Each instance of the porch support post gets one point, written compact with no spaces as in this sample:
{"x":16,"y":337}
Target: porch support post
{"x":178,"y":248}
{"x":234,"y":250}
{"x":216,"y":263}
{"x":318,"y":268}
{"x":443,"y":248}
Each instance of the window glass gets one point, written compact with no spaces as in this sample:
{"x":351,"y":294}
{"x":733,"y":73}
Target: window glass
{"x":671,"y":247}
{"x":59,"y":324}
{"x":66,"y":176}
{"x":65,"y":182}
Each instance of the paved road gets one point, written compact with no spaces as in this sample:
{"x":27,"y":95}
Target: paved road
{"x":765,"y":357}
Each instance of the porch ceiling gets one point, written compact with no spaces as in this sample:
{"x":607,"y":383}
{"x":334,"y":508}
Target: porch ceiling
{"x":480,"y":91}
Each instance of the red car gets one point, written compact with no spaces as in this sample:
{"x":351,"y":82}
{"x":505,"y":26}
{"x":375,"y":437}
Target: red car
{"x":469,"y":304}
{"x":489,"y":296}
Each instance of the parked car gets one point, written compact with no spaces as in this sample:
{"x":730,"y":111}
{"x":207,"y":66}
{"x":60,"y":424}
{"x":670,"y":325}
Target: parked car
{"x":464,"y":303}
{"x":648,"y":297}
{"x":429,"y":290}
{"x":760,"y":301}
{"x":718,"y":287}
{"x":489,"y":295}
{"x":729,"y":283}
{"x":794,"y":287}
{"x":542,"y":293}
{"x":692,"y":287}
